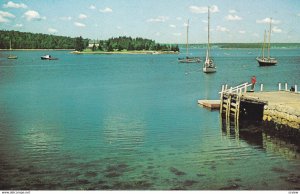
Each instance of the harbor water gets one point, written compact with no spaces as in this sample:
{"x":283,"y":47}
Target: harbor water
{"x":132,"y":122}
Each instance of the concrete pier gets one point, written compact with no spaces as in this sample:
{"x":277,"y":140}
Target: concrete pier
{"x":282,"y":107}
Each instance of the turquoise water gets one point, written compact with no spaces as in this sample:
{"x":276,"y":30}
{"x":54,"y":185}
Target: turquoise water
{"x":132,"y":122}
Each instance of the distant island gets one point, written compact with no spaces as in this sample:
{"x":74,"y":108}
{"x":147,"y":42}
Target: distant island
{"x":128,"y":45}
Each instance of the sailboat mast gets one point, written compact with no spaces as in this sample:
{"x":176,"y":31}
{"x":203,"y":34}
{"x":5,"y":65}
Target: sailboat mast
{"x":187,"y":38}
{"x":10,"y":45}
{"x":264,"y":44}
{"x":208,"y":29}
{"x":269,"y":44}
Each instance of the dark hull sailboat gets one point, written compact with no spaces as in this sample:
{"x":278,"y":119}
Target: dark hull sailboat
{"x":188,"y":59}
{"x":266,"y":61}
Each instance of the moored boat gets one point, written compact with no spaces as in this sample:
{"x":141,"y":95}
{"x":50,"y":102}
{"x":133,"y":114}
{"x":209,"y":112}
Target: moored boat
{"x":10,"y":55}
{"x":188,"y":59}
{"x":48,"y":57}
{"x":266,"y":61}
{"x":209,"y":65}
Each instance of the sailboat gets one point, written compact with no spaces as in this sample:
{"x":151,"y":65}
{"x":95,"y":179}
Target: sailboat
{"x":262,"y":60}
{"x":188,"y":59}
{"x":209,"y":65}
{"x":10,"y":55}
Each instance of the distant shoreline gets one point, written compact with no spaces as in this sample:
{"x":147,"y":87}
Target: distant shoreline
{"x":37,"y":50}
{"x":126,"y":52}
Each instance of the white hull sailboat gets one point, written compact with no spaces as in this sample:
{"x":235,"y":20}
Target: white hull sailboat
{"x":209,"y":65}
{"x":266,"y":61}
{"x":10,"y":55}
{"x":188,"y":59}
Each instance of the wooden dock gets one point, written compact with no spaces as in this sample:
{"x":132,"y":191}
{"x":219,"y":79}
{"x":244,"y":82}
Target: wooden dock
{"x":279,"y":107}
{"x":211,"y":104}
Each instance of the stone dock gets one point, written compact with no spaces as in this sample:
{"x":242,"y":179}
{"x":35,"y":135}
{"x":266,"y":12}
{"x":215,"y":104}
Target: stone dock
{"x":281,"y":107}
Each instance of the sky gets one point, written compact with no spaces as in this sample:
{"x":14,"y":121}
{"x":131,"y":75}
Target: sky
{"x":161,"y":20}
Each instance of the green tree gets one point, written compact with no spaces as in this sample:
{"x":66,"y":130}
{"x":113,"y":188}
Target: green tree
{"x":79,"y":44}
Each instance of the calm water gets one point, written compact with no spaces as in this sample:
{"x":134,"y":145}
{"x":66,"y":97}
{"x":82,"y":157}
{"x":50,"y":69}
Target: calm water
{"x":132,"y":122}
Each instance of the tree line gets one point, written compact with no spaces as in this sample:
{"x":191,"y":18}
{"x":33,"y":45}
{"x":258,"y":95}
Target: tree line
{"x":28,"y":40}
{"x":128,"y":43}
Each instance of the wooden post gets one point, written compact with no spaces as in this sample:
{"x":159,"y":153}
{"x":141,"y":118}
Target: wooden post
{"x":226,"y":87}
{"x":245,"y":88}
{"x":222,"y":99}
{"x":286,"y":87}
{"x":228,"y":106}
{"x":261,"y":87}
{"x":296,"y":88}
{"x":279,"y":86}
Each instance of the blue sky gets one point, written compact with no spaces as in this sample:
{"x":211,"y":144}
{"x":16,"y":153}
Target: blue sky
{"x":161,"y":20}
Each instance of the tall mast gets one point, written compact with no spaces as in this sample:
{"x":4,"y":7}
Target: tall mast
{"x":10,"y":45}
{"x":264,"y":44}
{"x":187,"y":38}
{"x":269,"y":38}
{"x":208,"y":46}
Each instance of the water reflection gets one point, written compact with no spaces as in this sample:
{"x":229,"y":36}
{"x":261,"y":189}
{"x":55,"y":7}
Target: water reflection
{"x":123,"y":132}
{"x":261,"y":138}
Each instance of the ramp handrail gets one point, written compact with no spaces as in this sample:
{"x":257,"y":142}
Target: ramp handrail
{"x":237,"y":89}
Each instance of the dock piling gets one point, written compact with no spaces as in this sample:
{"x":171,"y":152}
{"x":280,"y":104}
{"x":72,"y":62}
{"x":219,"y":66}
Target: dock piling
{"x":286,"y":86}
{"x":296,"y":88}
{"x":261,"y":87}
{"x":279,"y":86}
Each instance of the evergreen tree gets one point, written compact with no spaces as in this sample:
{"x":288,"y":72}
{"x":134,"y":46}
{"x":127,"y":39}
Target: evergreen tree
{"x":79,"y":44}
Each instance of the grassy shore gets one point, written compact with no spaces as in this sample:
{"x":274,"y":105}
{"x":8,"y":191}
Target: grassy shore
{"x":142,"y":52}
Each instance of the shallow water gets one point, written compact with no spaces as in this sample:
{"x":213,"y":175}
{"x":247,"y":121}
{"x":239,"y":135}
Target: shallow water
{"x":132,"y":122}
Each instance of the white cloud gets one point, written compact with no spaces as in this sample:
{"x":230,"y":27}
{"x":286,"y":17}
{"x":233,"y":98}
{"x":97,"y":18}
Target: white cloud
{"x":158,"y":19}
{"x":4,"y":16}
{"x":119,"y":27}
{"x":233,"y":17}
{"x":19,"y":25}
{"x":267,"y":20}
{"x":92,"y":7}
{"x":242,"y":31}
{"x":177,"y":34}
{"x":79,"y":24}
{"x":33,"y":15}
{"x":222,"y":29}
{"x":11,"y":4}
{"x":157,"y":33}
{"x":66,"y":18}
{"x":179,"y":18}
{"x":52,"y":30}
{"x":106,"y":10}
{"x":275,"y":29}
{"x":255,"y":34}
{"x":232,"y":11}
{"x":197,"y":9}
{"x":205,"y":21}
{"x":3,"y":20}
{"x":82,"y":16}
{"x":172,"y":26}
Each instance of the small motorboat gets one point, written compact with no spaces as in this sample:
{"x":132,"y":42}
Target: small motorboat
{"x":48,"y":57}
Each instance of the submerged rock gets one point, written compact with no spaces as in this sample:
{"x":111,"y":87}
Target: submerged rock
{"x":177,"y":172}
